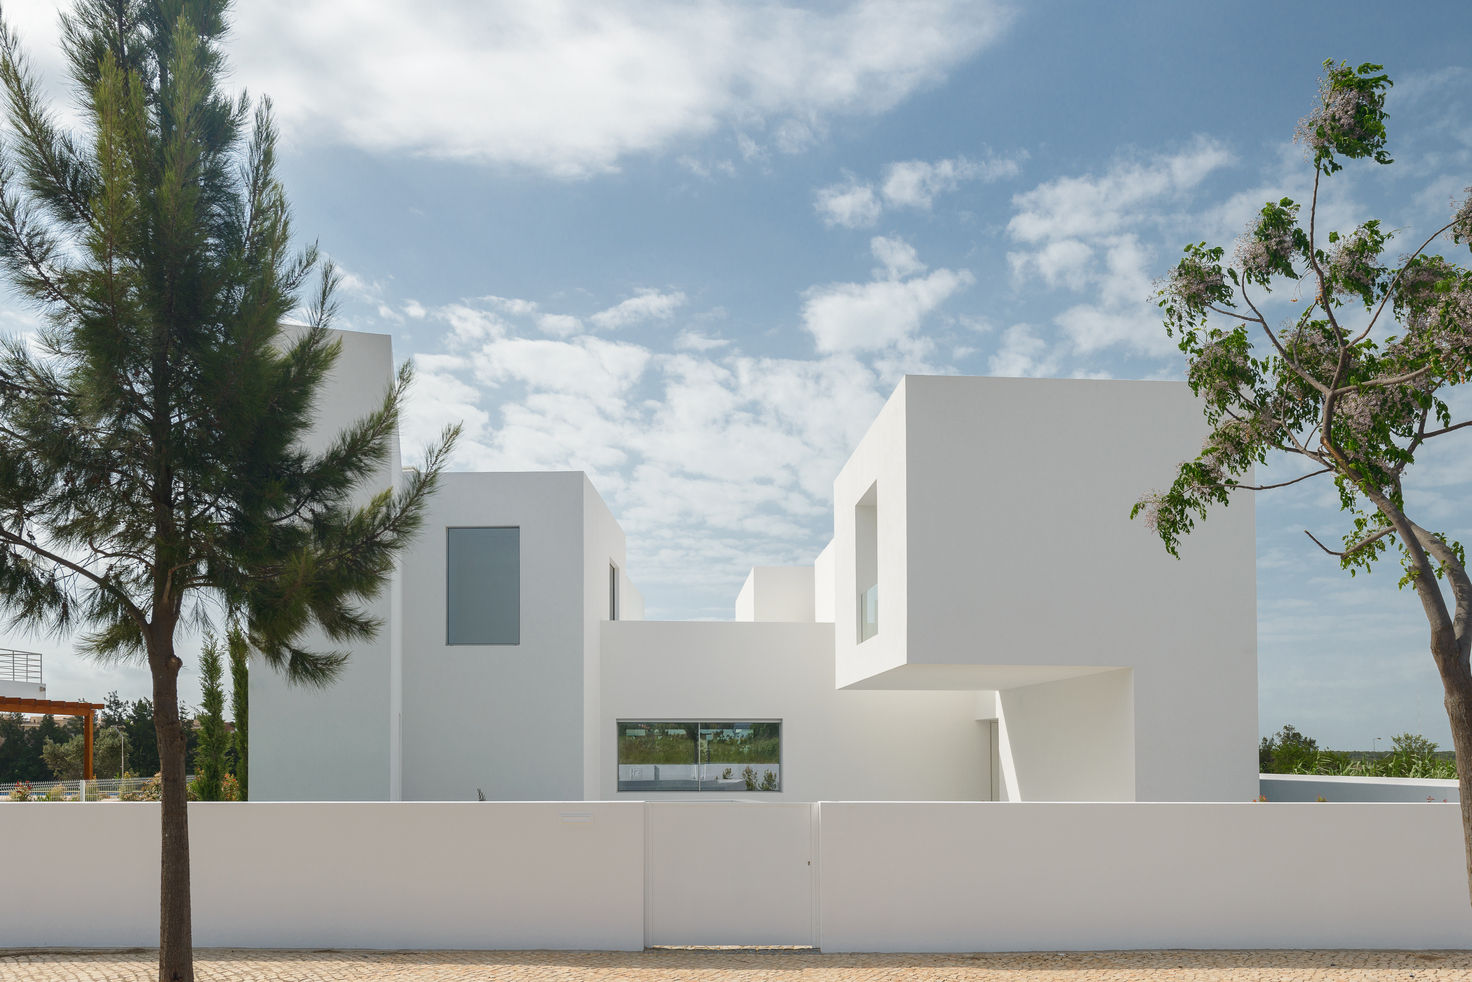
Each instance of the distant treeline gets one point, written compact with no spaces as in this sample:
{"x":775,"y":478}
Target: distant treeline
{"x":1410,"y":755}
{"x":24,"y":754}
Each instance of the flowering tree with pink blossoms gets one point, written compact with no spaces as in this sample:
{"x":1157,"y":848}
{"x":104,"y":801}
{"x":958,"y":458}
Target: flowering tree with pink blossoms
{"x":1353,"y":386}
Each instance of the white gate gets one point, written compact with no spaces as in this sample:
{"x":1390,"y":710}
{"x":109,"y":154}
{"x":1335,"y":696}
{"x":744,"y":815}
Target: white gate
{"x":730,"y":873}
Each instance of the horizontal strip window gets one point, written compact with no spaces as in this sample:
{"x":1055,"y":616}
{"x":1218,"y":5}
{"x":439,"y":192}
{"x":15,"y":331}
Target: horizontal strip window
{"x":693,"y":755}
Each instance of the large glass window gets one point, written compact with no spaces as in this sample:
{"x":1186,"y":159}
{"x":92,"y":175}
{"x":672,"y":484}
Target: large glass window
{"x":692,"y":755}
{"x":483,"y":586}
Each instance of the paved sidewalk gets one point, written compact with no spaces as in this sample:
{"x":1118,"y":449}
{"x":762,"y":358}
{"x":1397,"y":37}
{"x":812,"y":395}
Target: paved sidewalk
{"x":698,"y":965}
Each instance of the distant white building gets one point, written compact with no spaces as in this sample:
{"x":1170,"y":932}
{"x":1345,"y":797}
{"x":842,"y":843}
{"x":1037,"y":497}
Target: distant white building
{"x":986,"y":624}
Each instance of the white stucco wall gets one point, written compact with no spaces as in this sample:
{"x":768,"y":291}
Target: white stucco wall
{"x":777,"y":593}
{"x":902,"y":876}
{"x":1069,"y":740}
{"x":836,"y":744}
{"x":825,"y":595}
{"x":505,"y":719}
{"x":340,"y":875}
{"x":1312,"y":787}
{"x":22,"y":690}
{"x":603,"y":546}
{"x":334,"y":743}
{"x":878,"y":462}
{"x":1023,"y":877}
{"x":1021,"y":565}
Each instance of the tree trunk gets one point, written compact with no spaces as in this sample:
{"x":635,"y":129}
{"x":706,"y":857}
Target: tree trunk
{"x":175,"y":942}
{"x":1458,"y":685}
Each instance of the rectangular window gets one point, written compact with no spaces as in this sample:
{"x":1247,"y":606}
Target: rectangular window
{"x":612,"y":592}
{"x":688,"y":755}
{"x":483,"y":586}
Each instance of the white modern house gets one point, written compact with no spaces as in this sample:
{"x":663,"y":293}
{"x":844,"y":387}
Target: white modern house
{"x":986,"y":624}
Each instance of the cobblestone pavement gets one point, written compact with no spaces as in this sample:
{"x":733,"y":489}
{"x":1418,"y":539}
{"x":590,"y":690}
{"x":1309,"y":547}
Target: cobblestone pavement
{"x":698,"y":965}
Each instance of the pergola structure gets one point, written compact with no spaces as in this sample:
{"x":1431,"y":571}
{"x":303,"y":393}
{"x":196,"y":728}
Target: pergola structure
{"x":57,"y":707}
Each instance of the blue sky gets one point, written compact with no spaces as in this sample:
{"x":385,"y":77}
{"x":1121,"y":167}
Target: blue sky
{"x":690,"y":248}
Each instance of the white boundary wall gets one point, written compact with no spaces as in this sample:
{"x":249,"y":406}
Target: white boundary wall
{"x":1041,"y":876}
{"x":333,"y":875}
{"x":911,"y":876}
{"x":1312,"y":787}
{"x":730,"y":873}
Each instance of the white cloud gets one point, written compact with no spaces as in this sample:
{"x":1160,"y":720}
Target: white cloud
{"x":1126,"y":194}
{"x":644,"y":305}
{"x":906,"y":184}
{"x":1058,"y":263}
{"x":514,"y":306}
{"x":1087,"y":235}
{"x":559,"y":325}
{"x":1092,"y":328}
{"x":915,"y":183}
{"x":713,"y":460}
{"x":592,"y":367}
{"x":870,"y":316}
{"x":573,"y":88}
{"x":694,"y":341}
{"x":897,"y":255}
{"x":1022,"y":355}
{"x":850,"y":205}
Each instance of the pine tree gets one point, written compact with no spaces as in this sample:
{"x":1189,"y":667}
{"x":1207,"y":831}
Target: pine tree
{"x":151,"y":438}
{"x":240,"y":707}
{"x":209,"y":756}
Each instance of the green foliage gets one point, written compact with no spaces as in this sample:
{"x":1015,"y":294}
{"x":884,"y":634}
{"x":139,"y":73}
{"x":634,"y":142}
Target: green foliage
{"x":149,"y":790}
{"x":64,"y":759}
{"x":1352,"y":387}
{"x":240,"y":708}
{"x":157,"y":444}
{"x":658,"y":744}
{"x":690,"y":743}
{"x":1286,"y":751}
{"x":766,"y":782}
{"x":1350,"y":118}
{"x":214,"y":742}
{"x":153,"y":461}
{"x":1355,"y":399}
{"x":1411,"y":755}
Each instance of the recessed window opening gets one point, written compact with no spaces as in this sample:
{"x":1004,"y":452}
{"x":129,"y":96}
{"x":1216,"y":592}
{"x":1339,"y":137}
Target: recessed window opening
{"x":483,"y":585}
{"x":866,"y":562}
{"x":612,"y":592}
{"x":688,"y":755}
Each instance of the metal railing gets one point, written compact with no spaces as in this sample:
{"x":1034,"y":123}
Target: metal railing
{"x":20,"y":666}
{"x":98,"y":789}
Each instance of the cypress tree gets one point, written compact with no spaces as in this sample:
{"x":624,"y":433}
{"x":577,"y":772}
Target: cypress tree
{"x":152,"y":457}
{"x":240,"y":706}
{"x":209,"y":755}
